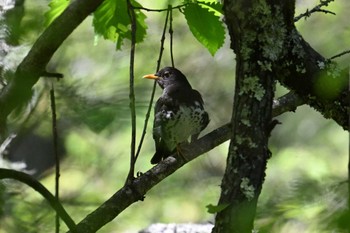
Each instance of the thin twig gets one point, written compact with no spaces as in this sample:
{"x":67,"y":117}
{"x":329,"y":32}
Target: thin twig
{"x":161,"y":49}
{"x":159,"y":10}
{"x":154,"y":86}
{"x":37,"y":186}
{"x":57,"y":159}
{"x":171,"y":32}
{"x":339,"y":54}
{"x":315,"y":9}
{"x":132,"y":17}
{"x":52,"y":75}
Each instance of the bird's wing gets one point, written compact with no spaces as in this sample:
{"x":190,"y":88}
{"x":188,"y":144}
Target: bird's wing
{"x":157,"y":120}
{"x":197,"y":96}
{"x":205,"y":118}
{"x":162,"y":105}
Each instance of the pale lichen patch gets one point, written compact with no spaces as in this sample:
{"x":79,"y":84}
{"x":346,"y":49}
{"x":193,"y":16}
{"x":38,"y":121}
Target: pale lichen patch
{"x":252,"y":85}
{"x":247,"y":189}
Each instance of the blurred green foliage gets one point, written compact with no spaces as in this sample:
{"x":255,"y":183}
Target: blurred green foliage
{"x":304,"y":190}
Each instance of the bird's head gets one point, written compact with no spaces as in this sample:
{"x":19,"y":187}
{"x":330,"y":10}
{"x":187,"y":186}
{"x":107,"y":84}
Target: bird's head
{"x":168,"y":76}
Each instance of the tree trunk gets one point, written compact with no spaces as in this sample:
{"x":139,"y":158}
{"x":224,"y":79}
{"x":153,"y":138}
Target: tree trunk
{"x":257,"y":30}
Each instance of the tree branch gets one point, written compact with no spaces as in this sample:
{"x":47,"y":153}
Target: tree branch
{"x":317,"y":8}
{"x":288,"y":102}
{"x":34,"y":64}
{"x":37,"y":186}
{"x":319,"y":83}
{"x":133,"y":156}
{"x":135,"y":190}
{"x":55,"y":149}
{"x":160,"y":10}
{"x":339,"y":54}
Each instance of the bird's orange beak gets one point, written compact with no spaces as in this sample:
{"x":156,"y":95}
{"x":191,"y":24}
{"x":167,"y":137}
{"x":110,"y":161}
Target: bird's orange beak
{"x":150,"y":76}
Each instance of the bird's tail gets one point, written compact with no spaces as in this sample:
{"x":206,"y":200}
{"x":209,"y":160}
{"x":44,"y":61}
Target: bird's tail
{"x":157,"y":157}
{"x":161,"y":153}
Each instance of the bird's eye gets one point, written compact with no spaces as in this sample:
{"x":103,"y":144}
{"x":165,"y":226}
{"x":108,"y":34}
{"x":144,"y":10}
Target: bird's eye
{"x":166,"y":74}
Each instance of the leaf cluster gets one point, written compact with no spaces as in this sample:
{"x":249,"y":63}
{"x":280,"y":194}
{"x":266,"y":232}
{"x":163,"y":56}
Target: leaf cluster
{"x":111,"y":21}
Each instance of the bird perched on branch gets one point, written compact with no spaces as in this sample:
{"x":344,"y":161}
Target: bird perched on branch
{"x":179,"y":113}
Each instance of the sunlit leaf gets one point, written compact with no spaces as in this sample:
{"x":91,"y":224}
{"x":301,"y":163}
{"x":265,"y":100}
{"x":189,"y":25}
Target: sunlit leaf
{"x":214,"y":6}
{"x":205,"y":26}
{"x":56,"y":8}
{"x":111,"y":20}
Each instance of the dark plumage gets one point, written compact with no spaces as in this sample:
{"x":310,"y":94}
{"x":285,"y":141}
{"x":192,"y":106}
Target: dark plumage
{"x":179,"y":112}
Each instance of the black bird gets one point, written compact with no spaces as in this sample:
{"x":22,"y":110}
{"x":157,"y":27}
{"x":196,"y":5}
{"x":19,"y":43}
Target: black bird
{"x":178,"y":115}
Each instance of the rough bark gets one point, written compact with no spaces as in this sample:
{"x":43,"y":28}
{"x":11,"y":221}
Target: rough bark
{"x":318,"y":81}
{"x":257,"y":49}
{"x":268,"y":47}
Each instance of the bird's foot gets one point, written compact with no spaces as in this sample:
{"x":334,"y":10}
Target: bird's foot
{"x":181,"y":151}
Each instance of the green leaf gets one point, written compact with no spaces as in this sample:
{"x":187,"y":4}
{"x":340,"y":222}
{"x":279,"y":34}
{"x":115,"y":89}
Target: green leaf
{"x":111,"y":20}
{"x":56,"y":8}
{"x":213,"y":209}
{"x":214,"y":6}
{"x":206,"y":27}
